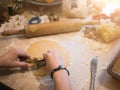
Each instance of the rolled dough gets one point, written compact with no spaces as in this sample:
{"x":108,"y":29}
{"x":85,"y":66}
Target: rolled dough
{"x":37,"y":49}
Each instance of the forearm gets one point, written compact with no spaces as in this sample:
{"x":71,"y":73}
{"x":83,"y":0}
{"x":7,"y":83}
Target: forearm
{"x":61,"y":80}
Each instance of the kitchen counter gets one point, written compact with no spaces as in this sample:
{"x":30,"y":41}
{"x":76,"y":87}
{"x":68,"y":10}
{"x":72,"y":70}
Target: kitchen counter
{"x":82,"y":50}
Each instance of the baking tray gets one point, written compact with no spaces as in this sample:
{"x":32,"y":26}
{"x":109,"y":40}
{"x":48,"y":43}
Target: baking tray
{"x":114,"y":67}
{"x":45,"y":4}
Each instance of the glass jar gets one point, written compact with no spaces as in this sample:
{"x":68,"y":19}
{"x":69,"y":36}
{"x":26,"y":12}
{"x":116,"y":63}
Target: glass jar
{"x":3,"y":11}
{"x":75,"y":8}
{"x":15,"y":7}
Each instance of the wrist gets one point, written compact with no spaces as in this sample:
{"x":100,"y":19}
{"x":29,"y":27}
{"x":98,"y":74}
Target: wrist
{"x":59,"y":68}
{"x":52,"y":67}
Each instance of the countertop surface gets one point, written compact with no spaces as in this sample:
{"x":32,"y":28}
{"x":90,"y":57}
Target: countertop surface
{"x":82,"y":50}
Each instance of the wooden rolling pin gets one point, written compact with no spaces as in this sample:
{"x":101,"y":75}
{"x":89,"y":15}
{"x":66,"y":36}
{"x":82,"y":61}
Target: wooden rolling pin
{"x":50,"y":28}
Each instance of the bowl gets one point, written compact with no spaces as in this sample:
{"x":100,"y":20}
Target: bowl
{"x":45,"y":4}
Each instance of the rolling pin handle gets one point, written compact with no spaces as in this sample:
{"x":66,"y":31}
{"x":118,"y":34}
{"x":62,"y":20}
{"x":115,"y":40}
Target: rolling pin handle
{"x":12,"y":32}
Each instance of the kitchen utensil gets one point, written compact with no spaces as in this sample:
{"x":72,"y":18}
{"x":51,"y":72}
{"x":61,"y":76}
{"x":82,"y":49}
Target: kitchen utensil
{"x":114,"y":67}
{"x":34,"y":20}
{"x":50,"y":28}
{"x":93,"y":72}
{"x":35,"y":63}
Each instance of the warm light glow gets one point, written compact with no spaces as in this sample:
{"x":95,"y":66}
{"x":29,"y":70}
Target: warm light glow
{"x":110,"y":7}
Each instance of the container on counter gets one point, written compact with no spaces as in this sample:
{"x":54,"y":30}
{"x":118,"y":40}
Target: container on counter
{"x":75,"y":8}
{"x":15,"y":7}
{"x":3,"y":11}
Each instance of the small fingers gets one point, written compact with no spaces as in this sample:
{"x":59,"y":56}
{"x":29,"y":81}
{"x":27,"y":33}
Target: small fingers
{"x":19,"y":52}
{"x":50,"y":51}
{"x":51,"y":60}
{"x":48,"y":54}
{"x":21,"y":64}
